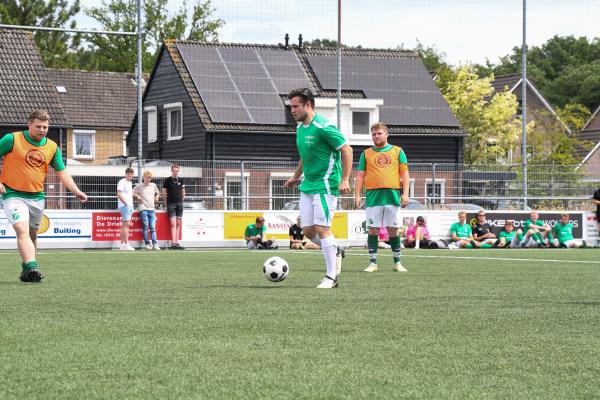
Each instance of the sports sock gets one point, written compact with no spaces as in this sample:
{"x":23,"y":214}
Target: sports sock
{"x":328,"y":245}
{"x":30,"y":265}
{"x":372,"y":243}
{"x":469,"y":246}
{"x":550,"y":237}
{"x":486,"y":246}
{"x":520,"y":236}
{"x":395,"y":243}
{"x":537,"y":237}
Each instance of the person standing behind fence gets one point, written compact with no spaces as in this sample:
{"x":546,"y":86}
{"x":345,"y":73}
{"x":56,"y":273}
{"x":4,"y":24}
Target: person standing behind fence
{"x":383,"y":170}
{"x":326,"y":161}
{"x":173,"y":190}
{"x":125,"y":205}
{"x":27,"y":156}
{"x":146,"y":194}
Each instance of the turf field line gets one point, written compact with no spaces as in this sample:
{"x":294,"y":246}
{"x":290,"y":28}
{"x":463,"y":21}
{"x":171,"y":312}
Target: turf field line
{"x":489,"y":258}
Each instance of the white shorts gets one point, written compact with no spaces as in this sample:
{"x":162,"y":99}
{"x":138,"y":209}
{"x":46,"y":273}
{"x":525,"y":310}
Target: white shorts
{"x":530,"y":243}
{"x":18,"y":209}
{"x":383,"y":217}
{"x":573,"y":243}
{"x":317,"y":209}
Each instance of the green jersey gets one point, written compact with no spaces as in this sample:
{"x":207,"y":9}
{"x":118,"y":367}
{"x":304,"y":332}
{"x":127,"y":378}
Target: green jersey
{"x":6,"y":146}
{"x":381,"y":197}
{"x":539,"y":222}
{"x":508,"y":235}
{"x":253,"y":230}
{"x":462,"y":231}
{"x":319,"y":146}
{"x":563,"y":232}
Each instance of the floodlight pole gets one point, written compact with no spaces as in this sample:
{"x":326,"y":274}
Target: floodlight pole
{"x":339,"y":68}
{"x":139,"y":90}
{"x":524,"y":104}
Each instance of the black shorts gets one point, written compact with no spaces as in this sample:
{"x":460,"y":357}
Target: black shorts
{"x":598,"y":217}
{"x":175,"y":210}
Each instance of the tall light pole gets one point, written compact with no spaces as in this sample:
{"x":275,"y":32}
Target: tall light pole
{"x":139,"y":89}
{"x":339,"y":68}
{"x":524,"y":104}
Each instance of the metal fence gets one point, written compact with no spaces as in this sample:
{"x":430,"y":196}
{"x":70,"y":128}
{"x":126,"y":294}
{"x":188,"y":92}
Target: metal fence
{"x":252,"y":185}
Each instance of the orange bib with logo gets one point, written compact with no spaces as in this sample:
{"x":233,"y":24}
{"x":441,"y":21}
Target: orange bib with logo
{"x":382,"y":168}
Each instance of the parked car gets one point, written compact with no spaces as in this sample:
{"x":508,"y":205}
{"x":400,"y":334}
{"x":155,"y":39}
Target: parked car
{"x":195,"y":205}
{"x":459,"y":206}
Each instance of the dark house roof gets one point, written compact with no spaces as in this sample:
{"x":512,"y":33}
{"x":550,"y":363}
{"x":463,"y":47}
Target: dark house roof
{"x":96,"y":99}
{"x":242,"y":87}
{"x":24,"y":82}
{"x":506,"y":82}
{"x":590,"y":132}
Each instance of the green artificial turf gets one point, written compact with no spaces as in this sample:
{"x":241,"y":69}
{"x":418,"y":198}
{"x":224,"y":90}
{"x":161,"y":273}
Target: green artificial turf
{"x":465,"y":324}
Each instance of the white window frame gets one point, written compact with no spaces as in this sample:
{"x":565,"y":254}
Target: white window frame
{"x":234,"y":177}
{"x":169,"y":108}
{"x":442,"y":182}
{"x":369,"y":123}
{"x":125,"y":134}
{"x":152,"y":123}
{"x":411,"y":188}
{"x":84,"y":132}
{"x":276,"y":175}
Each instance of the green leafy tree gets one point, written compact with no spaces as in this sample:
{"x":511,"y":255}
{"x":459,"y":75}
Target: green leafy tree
{"x":57,"y":48}
{"x":432,"y":57}
{"x":327,"y":43}
{"x":487,"y":117}
{"x":118,"y":53}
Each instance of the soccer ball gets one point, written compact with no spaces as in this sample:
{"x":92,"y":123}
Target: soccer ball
{"x":276,"y":269}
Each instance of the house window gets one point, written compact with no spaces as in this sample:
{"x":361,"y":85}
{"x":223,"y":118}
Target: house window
{"x":174,"y":121}
{"x":152,"y":117}
{"x":360,"y":122}
{"x":280,"y":196}
{"x":438,"y":190}
{"x":233,"y":191}
{"x":84,"y":144}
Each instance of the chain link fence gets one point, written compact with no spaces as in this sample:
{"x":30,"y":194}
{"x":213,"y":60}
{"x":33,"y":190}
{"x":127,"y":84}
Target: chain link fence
{"x":253,"y":185}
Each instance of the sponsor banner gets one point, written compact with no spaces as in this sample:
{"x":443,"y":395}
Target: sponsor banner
{"x":235,"y":223}
{"x":202,"y":226}
{"x":590,"y":230}
{"x":55,"y":225}
{"x":438,"y":223}
{"x":106,"y":226}
{"x":497,"y":219}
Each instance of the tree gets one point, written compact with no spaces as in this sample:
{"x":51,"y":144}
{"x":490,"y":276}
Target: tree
{"x":327,"y":43}
{"x":487,"y":117}
{"x":119,"y":53}
{"x":57,"y":48}
{"x":432,"y":57}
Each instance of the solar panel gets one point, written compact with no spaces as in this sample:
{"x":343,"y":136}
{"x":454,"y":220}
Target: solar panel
{"x":409,"y":94}
{"x":244,"y":84}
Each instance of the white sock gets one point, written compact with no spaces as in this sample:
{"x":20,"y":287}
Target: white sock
{"x":418,"y":244}
{"x":329,"y":251}
{"x":316,"y":240}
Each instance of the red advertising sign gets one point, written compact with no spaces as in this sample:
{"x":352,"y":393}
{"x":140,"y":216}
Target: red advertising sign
{"x":106,"y":226}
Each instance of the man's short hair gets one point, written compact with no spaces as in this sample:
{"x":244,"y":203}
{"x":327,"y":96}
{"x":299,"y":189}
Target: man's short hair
{"x":379,"y":125}
{"x":260,"y":220}
{"x":304,"y":94}
{"x":39,"y":115}
{"x":129,"y":170}
{"x":565,"y":215}
{"x":147,"y":173}
{"x":462,"y":213}
{"x":509,"y":222}
{"x":420,"y":219}
{"x":174,"y":166}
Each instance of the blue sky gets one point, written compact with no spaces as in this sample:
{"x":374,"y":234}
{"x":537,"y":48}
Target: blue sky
{"x":466,"y":30}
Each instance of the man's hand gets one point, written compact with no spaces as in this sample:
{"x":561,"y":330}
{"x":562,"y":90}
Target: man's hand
{"x":404,"y":201}
{"x":2,"y":189}
{"x":291,"y":182}
{"x":357,"y":203}
{"x":80,"y":195}
{"x":344,"y":186}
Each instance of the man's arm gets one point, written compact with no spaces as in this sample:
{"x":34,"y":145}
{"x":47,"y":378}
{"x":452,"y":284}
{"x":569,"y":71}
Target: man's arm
{"x":347,"y":156}
{"x":405,"y":187}
{"x":358,"y":187}
{"x":70,"y":184}
{"x":164,"y":194}
{"x":293,"y":181}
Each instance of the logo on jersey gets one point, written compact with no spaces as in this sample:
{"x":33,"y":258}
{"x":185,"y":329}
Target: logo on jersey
{"x":308,"y":140}
{"x":383,"y":160}
{"x":35,"y":158}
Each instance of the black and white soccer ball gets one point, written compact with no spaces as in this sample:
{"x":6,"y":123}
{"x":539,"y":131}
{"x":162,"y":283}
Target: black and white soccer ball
{"x":276,"y":269}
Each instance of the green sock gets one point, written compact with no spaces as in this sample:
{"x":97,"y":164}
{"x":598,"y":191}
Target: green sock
{"x":537,"y":237}
{"x":520,"y":236}
{"x":372,"y":242}
{"x":486,"y":246}
{"x":469,"y":246}
{"x":395,"y":245}
{"x":550,"y":237}
{"x":30,"y":265}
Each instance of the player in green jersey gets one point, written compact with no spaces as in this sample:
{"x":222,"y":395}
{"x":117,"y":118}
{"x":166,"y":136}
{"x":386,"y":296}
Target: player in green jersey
{"x":509,"y":237}
{"x":564,"y":233}
{"x":382,"y":170}
{"x":537,"y":233}
{"x":326,"y":162}
{"x":462,"y":234}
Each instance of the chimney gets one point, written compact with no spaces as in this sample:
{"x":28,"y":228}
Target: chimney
{"x":287,"y":41}
{"x":300,"y":41}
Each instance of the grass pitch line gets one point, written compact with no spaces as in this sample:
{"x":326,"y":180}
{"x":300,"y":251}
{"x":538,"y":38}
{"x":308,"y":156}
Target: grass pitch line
{"x":490,"y":258}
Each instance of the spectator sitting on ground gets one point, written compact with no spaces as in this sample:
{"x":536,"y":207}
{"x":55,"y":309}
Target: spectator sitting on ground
{"x":482,"y":232}
{"x":254,"y":236}
{"x":564,"y":233}
{"x":462,"y":234}
{"x":297,"y":240}
{"x":417,"y":235}
{"x":537,"y":233}
{"x":509,"y":237}
{"x":383,"y":239}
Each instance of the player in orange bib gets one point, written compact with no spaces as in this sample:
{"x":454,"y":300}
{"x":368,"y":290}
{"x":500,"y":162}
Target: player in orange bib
{"x":27,"y":156}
